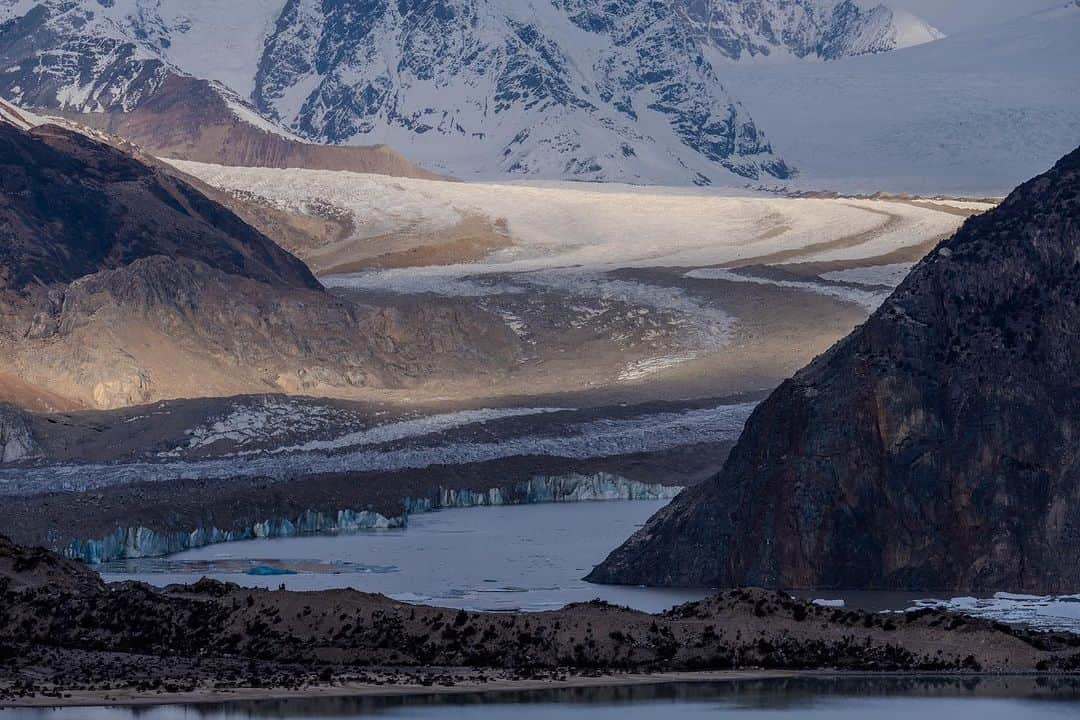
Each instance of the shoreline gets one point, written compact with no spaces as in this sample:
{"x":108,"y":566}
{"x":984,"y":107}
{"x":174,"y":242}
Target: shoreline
{"x":346,"y":690}
{"x":105,"y":698}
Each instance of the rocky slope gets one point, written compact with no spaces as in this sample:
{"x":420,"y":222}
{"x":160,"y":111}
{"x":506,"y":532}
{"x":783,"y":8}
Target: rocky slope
{"x":192,"y":119}
{"x":121,"y":283}
{"x":61,"y":627}
{"x":627,"y":90}
{"x":817,"y":29}
{"x":933,"y":448}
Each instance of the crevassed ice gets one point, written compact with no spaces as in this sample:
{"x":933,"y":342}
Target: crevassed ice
{"x":598,"y":438}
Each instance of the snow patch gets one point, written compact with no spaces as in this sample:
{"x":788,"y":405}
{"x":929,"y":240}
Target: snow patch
{"x":887,"y":275}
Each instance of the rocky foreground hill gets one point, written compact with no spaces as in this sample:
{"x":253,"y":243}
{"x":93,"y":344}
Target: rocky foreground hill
{"x":63,"y":630}
{"x":934,"y":448}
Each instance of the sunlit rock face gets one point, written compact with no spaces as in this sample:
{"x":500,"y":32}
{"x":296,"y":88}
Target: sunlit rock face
{"x":16,"y":440}
{"x":934,"y":448}
{"x":122,"y":283}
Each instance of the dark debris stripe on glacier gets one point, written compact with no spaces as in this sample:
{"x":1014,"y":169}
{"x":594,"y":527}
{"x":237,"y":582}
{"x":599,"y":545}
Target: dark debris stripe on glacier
{"x":594,"y":439}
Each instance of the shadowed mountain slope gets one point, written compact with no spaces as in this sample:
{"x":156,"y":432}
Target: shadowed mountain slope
{"x":933,"y":448}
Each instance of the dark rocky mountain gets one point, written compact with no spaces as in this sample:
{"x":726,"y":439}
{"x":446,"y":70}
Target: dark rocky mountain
{"x":73,"y":206}
{"x":122,"y":283}
{"x":934,"y":448}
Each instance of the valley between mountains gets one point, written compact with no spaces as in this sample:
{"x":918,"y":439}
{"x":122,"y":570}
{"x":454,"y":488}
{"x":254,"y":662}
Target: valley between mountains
{"x":460,"y":340}
{"x":782,"y":295}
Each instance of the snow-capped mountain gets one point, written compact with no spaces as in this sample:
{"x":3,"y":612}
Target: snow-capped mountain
{"x":823,"y":29}
{"x":591,"y":89}
{"x":507,"y":87}
{"x":625,"y":90}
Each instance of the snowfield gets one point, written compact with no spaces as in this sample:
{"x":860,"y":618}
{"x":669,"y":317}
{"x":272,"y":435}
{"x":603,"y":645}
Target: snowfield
{"x":589,"y":227}
{"x":974,"y":114}
{"x":569,"y":238}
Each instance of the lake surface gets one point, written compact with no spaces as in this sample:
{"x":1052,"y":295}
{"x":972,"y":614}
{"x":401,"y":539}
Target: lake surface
{"x":520,"y":557}
{"x":514,"y":557}
{"x":781,"y":699}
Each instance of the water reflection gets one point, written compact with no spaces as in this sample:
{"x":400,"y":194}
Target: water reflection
{"x":954,"y":698}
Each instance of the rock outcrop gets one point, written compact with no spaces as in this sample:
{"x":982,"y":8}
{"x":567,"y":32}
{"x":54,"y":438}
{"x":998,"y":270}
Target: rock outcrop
{"x":16,"y":439}
{"x":122,"y":283}
{"x":935,"y":448}
{"x":192,"y":119}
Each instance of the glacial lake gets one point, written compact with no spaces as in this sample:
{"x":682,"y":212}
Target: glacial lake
{"x":954,"y":698}
{"x":513,"y":557}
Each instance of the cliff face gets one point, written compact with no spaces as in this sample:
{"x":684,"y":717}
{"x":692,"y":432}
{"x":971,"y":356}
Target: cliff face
{"x":933,"y":448}
{"x":16,"y":439}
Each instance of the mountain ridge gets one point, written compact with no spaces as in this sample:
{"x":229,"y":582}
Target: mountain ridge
{"x":574,"y":89}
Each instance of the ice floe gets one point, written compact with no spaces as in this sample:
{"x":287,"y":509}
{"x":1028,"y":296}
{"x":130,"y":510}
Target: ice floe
{"x":1043,"y":612}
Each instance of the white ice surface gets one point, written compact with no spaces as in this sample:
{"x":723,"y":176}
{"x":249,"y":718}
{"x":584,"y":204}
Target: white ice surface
{"x":412,"y":428}
{"x":887,"y":275}
{"x":974,"y":114}
{"x":585,"y":227}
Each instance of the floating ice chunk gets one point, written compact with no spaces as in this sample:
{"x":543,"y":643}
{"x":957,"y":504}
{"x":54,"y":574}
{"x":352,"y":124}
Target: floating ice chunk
{"x":823,"y":602}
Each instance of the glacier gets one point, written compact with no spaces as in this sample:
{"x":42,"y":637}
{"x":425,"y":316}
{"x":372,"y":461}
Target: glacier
{"x":576,"y":440}
{"x":143,"y":542}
